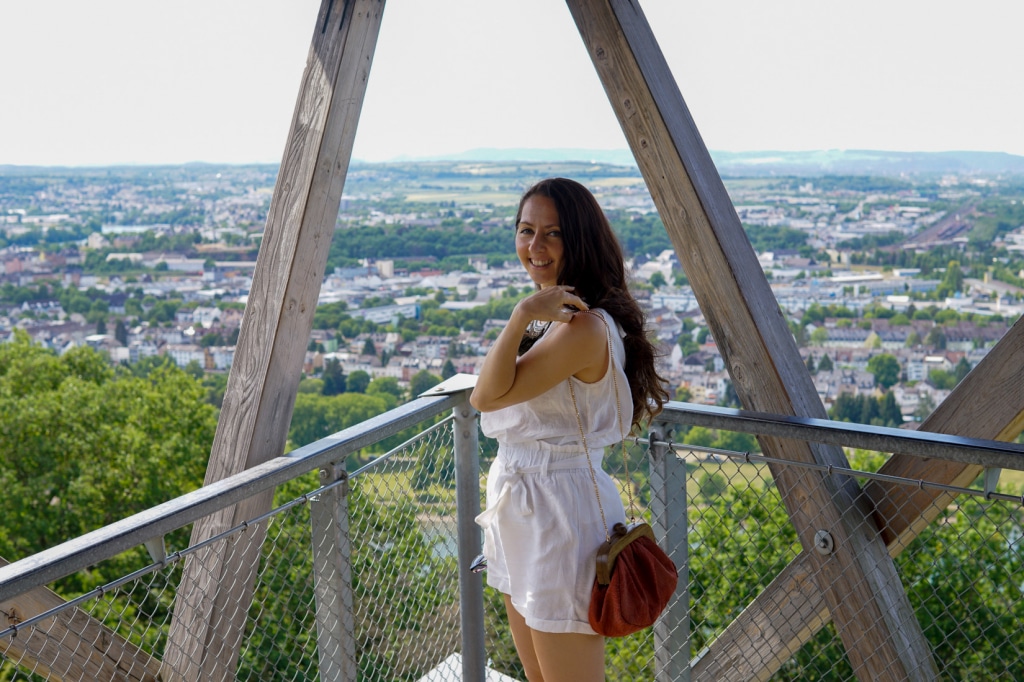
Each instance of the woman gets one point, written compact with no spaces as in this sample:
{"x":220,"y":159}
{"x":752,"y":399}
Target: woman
{"x":543,"y":526}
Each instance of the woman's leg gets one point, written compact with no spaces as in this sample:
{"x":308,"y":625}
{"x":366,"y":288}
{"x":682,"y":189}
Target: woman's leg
{"x":522,"y":636}
{"x":556,"y":656}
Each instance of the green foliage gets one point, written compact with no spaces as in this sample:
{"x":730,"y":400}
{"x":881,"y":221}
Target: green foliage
{"x":817,"y":313}
{"x":318,"y":416}
{"x":775,"y":238}
{"x":967,"y":590}
{"x":422,"y":381}
{"x":333,"y":378}
{"x":940,"y":378}
{"x":82,"y":446}
{"x":952,"y":281}
{"x":711,"y":486}
{"x":434,"y":465}
{"x":357,"y":381}
{"x":386,"y":386}
{"x":864,"y":409}
{"x":745,"y":539}
{"x":330,"y":315}
{"x":886,"y":369}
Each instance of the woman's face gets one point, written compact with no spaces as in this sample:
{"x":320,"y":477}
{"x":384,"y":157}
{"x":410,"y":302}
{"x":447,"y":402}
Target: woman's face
{"x":539,"y":240}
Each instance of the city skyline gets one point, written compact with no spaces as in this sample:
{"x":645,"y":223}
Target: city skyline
{"x":117,"y":82}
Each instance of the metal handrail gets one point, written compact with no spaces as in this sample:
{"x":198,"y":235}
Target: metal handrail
{"x":990,"y":454}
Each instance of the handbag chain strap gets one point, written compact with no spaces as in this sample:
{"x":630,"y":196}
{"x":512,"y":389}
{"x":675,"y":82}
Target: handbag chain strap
{"x":622,"y":433}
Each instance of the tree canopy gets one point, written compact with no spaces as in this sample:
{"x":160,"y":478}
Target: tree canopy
{"x":83,"y":445}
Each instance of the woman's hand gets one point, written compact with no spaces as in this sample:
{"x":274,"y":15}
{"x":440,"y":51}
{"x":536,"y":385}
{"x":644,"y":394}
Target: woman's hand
{"x":578,"y":348}
{"x":556,"y":303}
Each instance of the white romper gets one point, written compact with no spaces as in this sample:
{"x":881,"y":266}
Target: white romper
{"x":542,"y":526}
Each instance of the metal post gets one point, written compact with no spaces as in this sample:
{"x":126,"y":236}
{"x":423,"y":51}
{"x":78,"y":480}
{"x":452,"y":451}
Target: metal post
{"x":467,"y":498}
{"x":332,"y":579}
{"x":668,"y":518}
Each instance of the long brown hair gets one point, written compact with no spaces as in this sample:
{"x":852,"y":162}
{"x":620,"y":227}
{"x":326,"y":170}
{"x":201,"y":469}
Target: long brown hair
{"x":593,"y":263}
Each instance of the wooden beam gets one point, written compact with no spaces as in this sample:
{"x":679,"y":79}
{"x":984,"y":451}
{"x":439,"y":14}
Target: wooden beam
{"x":216,"y":588}
{"x":858,"y":580}
{"x":988,"y":403}
{"x":71,"y":645}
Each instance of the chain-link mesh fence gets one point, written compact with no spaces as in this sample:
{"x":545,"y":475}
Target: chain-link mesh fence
{"x":963,"y":574}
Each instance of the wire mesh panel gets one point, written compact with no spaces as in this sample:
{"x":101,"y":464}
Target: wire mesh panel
{"x":963,"y":574}
{"x":405,"y":567}
{"x":114,"y":632}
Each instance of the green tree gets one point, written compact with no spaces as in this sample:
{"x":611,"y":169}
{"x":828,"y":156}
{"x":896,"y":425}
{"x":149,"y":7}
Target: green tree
{"x":886,"y":369}
{"x":386,"y":386}
{"x":357,"y":382}
{"x":700,"y":436}
{"x":962,"y":369}
{"x":952,"y":281}
{"x":825,"y":364}
{"x":889,"y":410}
{"x":121,"y":332}
{"x":940,"y":378}
{"x":333,"y":377}
{"x":422,"y":381}
{"x":657,"y":280}
{"x":448,"y":370}
{"x":83,"y":445}
{"x":736,"y":441}
{"x":318,"y":416}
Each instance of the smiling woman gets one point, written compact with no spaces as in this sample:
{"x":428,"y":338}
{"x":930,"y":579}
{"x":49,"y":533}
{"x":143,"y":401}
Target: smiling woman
{"x":549,"y":503}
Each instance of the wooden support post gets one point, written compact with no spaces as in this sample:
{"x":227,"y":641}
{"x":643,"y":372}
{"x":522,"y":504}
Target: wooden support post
{"x":988,"y":403}
{"x":216,"y":588}
{"x":858,"y":579}
{"x":71,"y":645}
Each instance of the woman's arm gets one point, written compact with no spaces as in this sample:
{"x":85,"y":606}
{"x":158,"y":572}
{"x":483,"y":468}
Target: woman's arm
{"x":578,"y":348}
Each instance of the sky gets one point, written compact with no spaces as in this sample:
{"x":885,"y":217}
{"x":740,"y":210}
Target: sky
{"x":143,"y":82}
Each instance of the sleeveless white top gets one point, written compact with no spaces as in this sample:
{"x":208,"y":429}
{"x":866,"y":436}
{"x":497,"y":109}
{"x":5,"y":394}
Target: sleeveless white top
{"x":542,"y":526}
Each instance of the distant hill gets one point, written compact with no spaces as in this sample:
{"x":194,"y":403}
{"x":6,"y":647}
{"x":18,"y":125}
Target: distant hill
{"x":622,"y":157}
{"x":768,"y":163}
{"x":865,"y":162}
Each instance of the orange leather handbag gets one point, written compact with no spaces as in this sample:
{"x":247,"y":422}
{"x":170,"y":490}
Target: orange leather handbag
{"x":635,"y":580}
{"x":635,"y":577}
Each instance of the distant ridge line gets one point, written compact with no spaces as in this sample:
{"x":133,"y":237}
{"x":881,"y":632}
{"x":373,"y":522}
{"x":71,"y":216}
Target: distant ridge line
{"x":767,"y":163}
{"x":861,"y":162}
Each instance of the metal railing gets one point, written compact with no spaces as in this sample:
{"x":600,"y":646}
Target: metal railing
{"x":363,"y":570}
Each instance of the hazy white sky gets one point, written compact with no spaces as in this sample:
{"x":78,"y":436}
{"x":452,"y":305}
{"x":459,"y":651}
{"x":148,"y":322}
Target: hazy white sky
{"x":139,"y":81}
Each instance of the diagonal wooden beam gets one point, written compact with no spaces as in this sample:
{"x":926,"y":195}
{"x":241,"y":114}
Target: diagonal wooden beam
{"x":216,"y":588}
{"x":71,"y":645}
{"x":858,"y":580}
{"x":988,"y":403}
